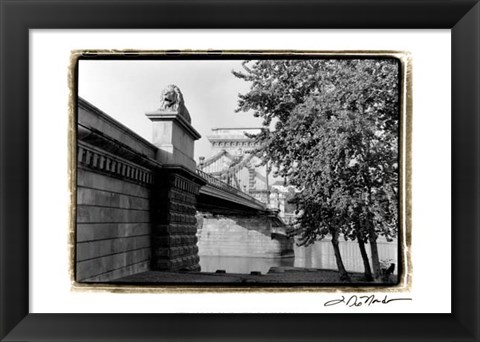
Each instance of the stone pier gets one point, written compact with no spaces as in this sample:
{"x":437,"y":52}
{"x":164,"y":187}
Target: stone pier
{"x":176,"y":188}
{"x":174,"y":226}
{"x":243,"y":236}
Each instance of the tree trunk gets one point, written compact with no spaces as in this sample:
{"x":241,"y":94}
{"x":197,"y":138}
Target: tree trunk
{"x":375,"y":260}
{"x":366,"y":262}
{"x":338,"y":257}
{"x":372,"y":235}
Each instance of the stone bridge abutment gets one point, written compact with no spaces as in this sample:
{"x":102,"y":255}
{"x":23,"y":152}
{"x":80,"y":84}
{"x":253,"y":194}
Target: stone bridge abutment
{"x":259,"y":235}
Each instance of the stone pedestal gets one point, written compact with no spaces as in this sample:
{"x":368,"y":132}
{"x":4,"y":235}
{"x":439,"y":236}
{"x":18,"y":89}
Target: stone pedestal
{"x":174,"y":136}
{"x":175,"y":189}
{"x":174,"y":228}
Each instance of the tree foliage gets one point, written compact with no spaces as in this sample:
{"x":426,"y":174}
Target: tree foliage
{"x":330,"y":126}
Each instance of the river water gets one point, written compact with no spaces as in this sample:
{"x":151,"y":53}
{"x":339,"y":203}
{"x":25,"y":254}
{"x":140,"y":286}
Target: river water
{"x":318,"y":255}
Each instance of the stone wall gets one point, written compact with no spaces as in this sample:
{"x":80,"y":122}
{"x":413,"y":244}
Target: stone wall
{"x":239,"y":235}
{"x":114,"y":177}
{"x":113,"y":227}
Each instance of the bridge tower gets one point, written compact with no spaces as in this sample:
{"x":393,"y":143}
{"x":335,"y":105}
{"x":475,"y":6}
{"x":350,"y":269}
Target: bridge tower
{"x":234,"y":162}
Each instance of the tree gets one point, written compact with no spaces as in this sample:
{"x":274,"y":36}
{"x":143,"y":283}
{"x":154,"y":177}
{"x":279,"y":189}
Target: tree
{"x":331,"y":127}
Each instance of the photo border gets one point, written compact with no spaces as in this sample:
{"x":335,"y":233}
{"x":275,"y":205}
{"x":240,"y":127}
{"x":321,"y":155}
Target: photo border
{"x":17,"y":17}
{"x":404,"y":262}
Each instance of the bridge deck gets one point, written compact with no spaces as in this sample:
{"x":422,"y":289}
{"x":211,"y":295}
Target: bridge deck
{"x":220,"y":194}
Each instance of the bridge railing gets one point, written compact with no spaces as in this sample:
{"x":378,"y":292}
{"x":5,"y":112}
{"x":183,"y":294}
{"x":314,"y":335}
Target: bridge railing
{"x":217,"y":183}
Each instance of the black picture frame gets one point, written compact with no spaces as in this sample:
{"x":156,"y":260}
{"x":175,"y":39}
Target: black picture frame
{"x":17,"y":17}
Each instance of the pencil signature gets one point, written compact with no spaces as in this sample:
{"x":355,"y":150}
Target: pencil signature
{"x":354,"y":301}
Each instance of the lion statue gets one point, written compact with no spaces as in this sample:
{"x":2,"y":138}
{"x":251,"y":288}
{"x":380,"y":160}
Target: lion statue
{"x":172,"y":101}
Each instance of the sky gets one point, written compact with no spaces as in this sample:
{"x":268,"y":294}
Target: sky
{"x":126,"y":90}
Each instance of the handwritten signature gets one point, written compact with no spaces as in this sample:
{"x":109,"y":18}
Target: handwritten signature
{"x":354,"y":301}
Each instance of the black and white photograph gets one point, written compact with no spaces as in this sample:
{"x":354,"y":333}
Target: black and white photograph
{"x":240,"y":170}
